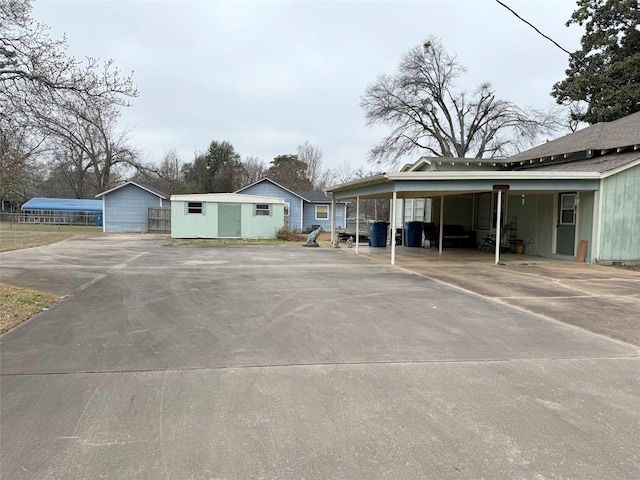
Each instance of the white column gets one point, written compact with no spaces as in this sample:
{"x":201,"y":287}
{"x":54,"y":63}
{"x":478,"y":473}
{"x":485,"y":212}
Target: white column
{"x":357,"y":224}
{"x":333,"y":220}
{"x":394,"y":207}
{"x":441,"y":232}
{"x":498,"y":223}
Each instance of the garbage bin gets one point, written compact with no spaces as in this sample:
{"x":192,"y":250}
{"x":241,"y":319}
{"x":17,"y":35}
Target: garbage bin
{"x":413,"y":234}
{"x":99,"y":221}
{"x":378,"y":234}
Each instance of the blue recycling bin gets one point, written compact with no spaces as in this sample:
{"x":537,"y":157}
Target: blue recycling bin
{"x":99,"y":221}
{"x":378,"y":234}
{"x":413,"y":234}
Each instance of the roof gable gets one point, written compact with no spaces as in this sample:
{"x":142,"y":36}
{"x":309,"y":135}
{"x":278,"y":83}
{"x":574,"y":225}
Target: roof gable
{"x":142,"y":186}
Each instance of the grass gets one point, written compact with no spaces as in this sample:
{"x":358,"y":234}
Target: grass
{"x":324,"y":239}
{"x":19,"y":304}
{"x":16,"y":236}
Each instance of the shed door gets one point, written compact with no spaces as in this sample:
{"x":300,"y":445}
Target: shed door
{"x":566,"y":224}
{"x":229,"y":220}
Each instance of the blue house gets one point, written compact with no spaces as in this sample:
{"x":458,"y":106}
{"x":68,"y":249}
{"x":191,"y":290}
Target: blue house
{"x":126,"y":206}
{"x":304,"y":210}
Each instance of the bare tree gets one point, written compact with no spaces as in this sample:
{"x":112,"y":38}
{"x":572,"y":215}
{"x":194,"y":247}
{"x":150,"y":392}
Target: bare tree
{"x":66,"y":106}
{"x":311,"y":155}
{"x":428,"y":115}
{"x":253,"y":169}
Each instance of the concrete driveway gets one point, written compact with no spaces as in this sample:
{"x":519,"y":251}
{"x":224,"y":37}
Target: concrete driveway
{"x":291,"y":363}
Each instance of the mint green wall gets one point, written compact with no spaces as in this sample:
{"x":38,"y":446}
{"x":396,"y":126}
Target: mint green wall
{"x":535,"y":221}
{"x":458,"y":210}
{"x":206,"y":225}
{"x":620,"y":228}
{"x":585,"y":222}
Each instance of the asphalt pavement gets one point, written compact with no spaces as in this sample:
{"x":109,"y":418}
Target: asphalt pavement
{"x":292,"y":363}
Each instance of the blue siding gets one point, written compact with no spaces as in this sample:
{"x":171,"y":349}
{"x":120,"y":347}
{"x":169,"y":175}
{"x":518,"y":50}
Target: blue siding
{"x":301,"y":213}
{"x":125,"y":209}
{"x":310,"y":216}
{"x":268,"y":189}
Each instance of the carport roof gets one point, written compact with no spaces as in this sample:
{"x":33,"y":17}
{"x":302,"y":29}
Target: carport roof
{"x":436,"y":183}
{"x":63,"y":205}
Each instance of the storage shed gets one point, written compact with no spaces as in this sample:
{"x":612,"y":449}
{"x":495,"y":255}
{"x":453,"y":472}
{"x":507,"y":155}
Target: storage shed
{"x":226,"y":215}
{"x":125,"y":207}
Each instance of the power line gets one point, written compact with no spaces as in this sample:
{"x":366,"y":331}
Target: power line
{"x":535,"y":28}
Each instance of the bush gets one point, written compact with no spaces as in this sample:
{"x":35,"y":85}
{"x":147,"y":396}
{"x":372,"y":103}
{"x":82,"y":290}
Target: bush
{"x":289,"y":234}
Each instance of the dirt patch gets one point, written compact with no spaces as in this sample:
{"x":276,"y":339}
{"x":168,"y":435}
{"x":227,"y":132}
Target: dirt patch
{"x":19,"y":304}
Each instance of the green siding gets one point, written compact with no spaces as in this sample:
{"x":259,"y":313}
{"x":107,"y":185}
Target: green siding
{"x":585,"y":222}
{"x":534,"y":221}
{"x":205,"y":225}
{"x":458,"y":210}
{"x":620,"y":230}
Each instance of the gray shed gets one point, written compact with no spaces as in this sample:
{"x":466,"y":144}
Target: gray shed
{"x":125,"y":207}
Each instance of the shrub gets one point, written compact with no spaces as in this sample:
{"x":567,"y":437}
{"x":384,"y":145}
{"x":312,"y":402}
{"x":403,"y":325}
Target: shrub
{"x":289,"y":234}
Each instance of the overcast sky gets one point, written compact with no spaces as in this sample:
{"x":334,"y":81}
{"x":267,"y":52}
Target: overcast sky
{"x":269,"y":75}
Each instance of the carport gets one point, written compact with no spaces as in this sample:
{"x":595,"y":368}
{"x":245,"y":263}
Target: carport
{"x":534,"y":194}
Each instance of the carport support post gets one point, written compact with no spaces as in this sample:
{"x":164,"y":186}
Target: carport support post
{"x":441,"y":232}
{"x":498,"y":223}
{"x":394,"y":206}
{"x":357,"y":223}
{"x":333,"y":221}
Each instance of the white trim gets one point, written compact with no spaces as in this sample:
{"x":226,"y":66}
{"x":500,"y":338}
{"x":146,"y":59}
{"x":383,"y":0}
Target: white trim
{"x":554,"y":239}
{"x":598,"y":226}
{"x":357,"y":223}
{"x":621,"y":168}
{"x":225,"y":198}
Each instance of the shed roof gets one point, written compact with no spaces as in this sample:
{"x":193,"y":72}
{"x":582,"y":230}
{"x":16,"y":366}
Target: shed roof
{"x":149,"y":189}
{"x":63,"y":205}
{"x":225,"y":198}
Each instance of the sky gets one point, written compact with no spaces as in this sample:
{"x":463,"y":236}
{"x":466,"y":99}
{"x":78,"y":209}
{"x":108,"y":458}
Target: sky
{"x":269,"y":75}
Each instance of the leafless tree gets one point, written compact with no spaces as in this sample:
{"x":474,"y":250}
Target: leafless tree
{"x":253,"y":169}
{"x":429,"y":116}
{"x":311,"y":155}
{"x":66,"y":106}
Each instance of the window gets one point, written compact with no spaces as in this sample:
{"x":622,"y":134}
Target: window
{"x":194,"y":207}
{"x":286,"y":209}
{"x":322,"y":212}
{"x":482,"y":211}
{"x":568,"y":209}
{"x":263,"y":209}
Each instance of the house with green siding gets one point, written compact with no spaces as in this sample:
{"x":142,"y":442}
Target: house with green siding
{"x":576,"y":197}
{"x":226,"y":215}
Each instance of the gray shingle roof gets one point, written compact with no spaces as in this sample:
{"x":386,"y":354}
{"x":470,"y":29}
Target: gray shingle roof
{"x":313,"y":196}
{"x":624,"y":132}
{"x":601,"y":164}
